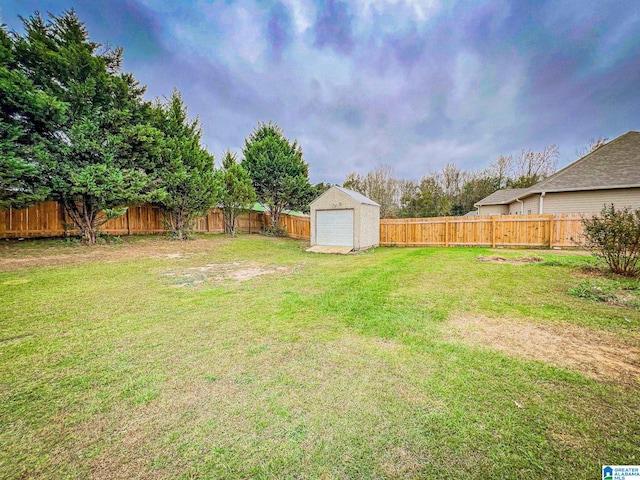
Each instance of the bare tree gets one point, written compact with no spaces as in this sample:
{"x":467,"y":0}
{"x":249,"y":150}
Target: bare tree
{"x":592,"y":146}
{"x":451,"y":179}
{"x":381,"y":186}
{"x":451,"y":191}
{"x":501,"y":170}
{"x":530,"y":167}
{"x":537,"y":164}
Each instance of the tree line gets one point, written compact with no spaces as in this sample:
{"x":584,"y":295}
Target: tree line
{"x":76,"y":129}
{"x":453,"y":191}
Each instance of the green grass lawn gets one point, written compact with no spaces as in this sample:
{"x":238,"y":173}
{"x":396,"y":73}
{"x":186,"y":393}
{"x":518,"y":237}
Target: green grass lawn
{"x":250,"y":358}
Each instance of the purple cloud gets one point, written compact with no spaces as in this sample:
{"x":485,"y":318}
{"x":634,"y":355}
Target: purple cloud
{"x":278,"y":30}
{"x":333,"y":26}
{"x":411,"y":84}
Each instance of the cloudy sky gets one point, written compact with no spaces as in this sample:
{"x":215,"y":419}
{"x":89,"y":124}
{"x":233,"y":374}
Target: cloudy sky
{"x":414,"y":84}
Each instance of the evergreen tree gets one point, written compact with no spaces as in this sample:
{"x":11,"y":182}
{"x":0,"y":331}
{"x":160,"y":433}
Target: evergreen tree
{"x":279,"y":175}
{"x":25,"y":114}
{"x":89,"y":157}
{"x":186,"y":169}
{"x":237,"y":194}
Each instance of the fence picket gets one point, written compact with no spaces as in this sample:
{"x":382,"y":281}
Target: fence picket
{"x":495,"y":231}
{"x":47,"y":219}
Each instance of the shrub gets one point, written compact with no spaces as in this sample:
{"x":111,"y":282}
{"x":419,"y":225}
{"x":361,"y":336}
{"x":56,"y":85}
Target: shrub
{"x":105,"y":238}
{"x":614,"y":237}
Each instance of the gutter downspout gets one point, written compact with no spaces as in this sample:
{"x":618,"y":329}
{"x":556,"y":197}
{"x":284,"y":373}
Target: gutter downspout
{"x":542,"y":202}
{"x":521,"y":206}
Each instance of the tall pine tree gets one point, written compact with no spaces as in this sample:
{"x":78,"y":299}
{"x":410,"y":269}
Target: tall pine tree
{"x":186,"y":169}
{"x":237,"y":194}
{"x":28,"y":117}
{"x":93,"y":158}
{"x":278,"y":172}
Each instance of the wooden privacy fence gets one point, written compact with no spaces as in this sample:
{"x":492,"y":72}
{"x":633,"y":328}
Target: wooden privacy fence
{"x":47,"y":219}
{"x":493,"y":231}
{"x":296,"y":226}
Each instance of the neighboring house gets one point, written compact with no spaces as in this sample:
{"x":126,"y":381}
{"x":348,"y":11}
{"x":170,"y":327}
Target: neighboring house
{"x":610,"y":174}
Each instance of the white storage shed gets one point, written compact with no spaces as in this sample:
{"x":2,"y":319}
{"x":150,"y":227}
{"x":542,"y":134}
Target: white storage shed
{"x":344,"y":218}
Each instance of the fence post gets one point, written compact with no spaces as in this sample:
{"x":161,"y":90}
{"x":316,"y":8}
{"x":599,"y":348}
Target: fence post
{"x":406,"y":231}
{"x":493,"y":232}
{"x":446,"y":232}
{"x":551,"y":231}
{"x":128,"y":223}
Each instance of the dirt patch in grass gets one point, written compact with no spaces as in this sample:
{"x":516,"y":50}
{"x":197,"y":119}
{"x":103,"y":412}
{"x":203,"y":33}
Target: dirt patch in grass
{"x":54,"y":254}
{"x":219,"y":272}
{"x":602,"y":356}
{"x":514,"y":260}
{"x":544,"y":251}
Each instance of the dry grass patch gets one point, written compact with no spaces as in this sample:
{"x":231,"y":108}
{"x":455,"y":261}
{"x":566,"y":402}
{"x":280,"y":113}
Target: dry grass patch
{"x":219,"y":272}
{"x":56,"y":253}
{"x":513,"y":260}
{"x":602,"y":355}
{"x":576,"y":252}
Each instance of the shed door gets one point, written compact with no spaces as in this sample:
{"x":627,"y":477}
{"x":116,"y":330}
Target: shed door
{"x":334,"y":227}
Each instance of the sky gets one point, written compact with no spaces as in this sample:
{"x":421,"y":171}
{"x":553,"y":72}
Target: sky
{"x":413,"y":84}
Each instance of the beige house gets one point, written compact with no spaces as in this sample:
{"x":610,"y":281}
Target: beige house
{"x":344,"y":218}
{"x":610,"y":174}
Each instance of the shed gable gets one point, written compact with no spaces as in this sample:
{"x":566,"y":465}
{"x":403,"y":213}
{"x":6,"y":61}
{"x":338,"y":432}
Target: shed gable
{"x":340,"y":217}
{"x":334,"y":199}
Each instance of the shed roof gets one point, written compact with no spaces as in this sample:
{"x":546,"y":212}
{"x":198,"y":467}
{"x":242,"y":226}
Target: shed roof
{"x":358,"y":197}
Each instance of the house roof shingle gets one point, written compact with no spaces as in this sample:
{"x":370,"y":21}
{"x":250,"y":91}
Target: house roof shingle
{"x":503,"y":197}
{"x":614,"y":165}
